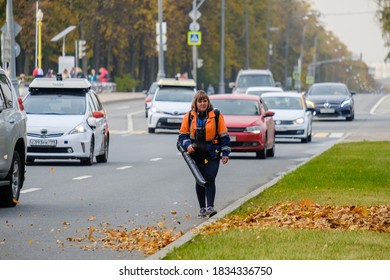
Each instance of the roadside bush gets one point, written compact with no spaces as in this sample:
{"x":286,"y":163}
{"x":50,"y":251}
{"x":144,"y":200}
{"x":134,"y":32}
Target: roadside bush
{"x":125,"y":83}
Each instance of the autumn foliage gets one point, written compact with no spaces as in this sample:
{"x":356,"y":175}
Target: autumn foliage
{"x":308,"y":215}
{"x":303,"y":215}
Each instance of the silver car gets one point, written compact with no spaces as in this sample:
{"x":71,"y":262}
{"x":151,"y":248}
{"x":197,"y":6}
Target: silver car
{"x":292,"y":118}
{"x":12,"y":143}
{"x":66,"y":120}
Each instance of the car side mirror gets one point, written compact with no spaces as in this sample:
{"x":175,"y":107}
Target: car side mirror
{"x":353,"y":93}
{"x":231,"y":85}
{"x":269,"y":114}
{"x":92,"y":120}
{"x":278,"y":84}
{"x":98,"y":114}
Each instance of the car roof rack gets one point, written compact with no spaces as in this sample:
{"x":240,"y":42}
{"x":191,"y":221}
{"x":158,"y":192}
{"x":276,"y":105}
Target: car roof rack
{"x":56,"y":83}
{"x":176,"y":83}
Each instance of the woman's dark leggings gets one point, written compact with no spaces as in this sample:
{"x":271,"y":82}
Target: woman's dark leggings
{"x":209,"y":172}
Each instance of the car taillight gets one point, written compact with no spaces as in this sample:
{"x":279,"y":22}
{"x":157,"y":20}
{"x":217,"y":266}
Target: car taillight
{"x":21,"y":106}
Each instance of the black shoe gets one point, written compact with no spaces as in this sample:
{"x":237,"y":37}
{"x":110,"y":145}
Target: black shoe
{"x":210,"y":211}
{"x":202,"y":212}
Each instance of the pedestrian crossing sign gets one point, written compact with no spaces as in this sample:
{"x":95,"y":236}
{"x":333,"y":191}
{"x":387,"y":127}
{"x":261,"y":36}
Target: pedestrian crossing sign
{"x":194,"y":38}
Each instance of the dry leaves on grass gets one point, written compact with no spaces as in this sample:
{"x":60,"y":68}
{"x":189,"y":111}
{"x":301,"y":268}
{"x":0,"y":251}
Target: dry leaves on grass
{"x":308,"y":215}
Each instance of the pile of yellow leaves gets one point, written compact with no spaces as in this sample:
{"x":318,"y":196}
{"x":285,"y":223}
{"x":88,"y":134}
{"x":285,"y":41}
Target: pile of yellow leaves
{"x":308,"y":215}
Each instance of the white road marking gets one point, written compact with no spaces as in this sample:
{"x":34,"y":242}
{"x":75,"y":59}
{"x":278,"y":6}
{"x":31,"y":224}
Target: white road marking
{"x":123,"y":107}
{"x":30,"y":190}
{"x":321,"y":134}
{"x":124,"y":167}
{"x":82,"y":177}
{"x":130,"y":122}
{"x":130,"y":125}
{"x":373,"y":110}
{"x":156,"y":159}
{"x":336,"y":135}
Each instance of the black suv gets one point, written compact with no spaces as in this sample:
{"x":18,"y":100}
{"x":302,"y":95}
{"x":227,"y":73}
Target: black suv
{"x":12,"y":143}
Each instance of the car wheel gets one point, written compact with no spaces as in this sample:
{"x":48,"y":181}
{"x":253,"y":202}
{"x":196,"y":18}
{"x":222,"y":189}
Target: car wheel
{"x":9,"y":195}
{"x":104,"y":157}
{"x":146,"y":113}
{"x":89,"y":160}
{"x":350,"y":118}
{"x":262,"y":154}
{"x":151,"y":130}
{"x":271,"y":152}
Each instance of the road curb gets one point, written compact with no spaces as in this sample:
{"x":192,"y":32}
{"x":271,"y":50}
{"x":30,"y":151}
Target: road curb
{"x":193,"y":232}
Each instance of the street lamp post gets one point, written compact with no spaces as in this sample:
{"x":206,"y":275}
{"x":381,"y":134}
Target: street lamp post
{"x":222,"y":51}
{"x":269,"y":44}
{"x":36,"y":35}
{"x":39,"y":18}
{"x":300,"y":59}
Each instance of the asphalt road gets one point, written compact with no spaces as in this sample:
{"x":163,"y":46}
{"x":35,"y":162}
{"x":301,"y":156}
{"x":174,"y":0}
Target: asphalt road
{"x":146,"y":180}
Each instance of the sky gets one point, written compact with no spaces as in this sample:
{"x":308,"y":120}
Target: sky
{"x":354,"y":22}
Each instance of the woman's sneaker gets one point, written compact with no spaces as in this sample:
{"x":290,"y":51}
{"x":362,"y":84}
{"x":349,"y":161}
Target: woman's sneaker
{"x":210,"y":211}
{"x":202,"y":212}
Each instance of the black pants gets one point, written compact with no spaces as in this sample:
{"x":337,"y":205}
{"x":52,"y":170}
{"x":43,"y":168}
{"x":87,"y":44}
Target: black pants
{"x":209,"y":172}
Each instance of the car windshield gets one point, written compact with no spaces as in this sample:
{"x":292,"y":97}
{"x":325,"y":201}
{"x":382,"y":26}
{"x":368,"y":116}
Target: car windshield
{"x":328,"y":90}
{"x":175,"y":94}
{"x":55,"y":104}
{"x":237,"y":107}
{"x":283,"y":103}
{"x":255,"y":81}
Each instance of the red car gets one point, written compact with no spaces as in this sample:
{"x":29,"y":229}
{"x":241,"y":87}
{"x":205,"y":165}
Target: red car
{"x":250,"y":125}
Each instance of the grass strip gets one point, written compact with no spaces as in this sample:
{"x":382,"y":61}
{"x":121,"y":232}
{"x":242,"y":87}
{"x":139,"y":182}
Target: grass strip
{"x":351,"y":175}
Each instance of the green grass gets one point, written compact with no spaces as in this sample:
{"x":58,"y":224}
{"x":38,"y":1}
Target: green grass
{"x":355,"y":173}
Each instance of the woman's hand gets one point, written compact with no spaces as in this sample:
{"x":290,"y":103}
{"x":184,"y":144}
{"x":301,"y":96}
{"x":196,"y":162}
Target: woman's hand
{"x":190,"y":149}
{"x":225,"y":159}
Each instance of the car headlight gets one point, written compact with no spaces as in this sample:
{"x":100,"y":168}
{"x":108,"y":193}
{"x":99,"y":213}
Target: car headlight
{"x":81,"y":128}
{"x":156,"y":110}
{"x":253,"y":129}
{"x":299,"y":121}
{"x":346,"y":103}
{"x":310,"y":104}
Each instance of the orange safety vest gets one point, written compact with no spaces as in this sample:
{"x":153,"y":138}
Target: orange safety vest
{"x":188,"y":126}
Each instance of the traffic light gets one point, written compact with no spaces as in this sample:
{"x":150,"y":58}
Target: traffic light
{"x":82,"y":48}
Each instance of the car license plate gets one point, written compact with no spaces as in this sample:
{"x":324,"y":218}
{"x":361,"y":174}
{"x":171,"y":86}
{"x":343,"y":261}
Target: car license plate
{"x":43,"y":142}
{"x":281,"y":128}
{"x":174,"y":120}
{"x":232,"y":138}
{"x":327,"y":110}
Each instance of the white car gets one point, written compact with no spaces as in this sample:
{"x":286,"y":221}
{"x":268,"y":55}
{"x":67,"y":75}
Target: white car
{"x":170,"y":103}
{"x":260,"y":90}
{"x":292,"y":118}
{"x":65,"y":121}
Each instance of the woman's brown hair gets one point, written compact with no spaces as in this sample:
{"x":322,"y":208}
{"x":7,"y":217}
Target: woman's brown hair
{"x":200,"y":95}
